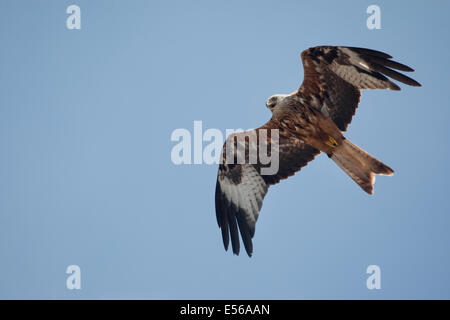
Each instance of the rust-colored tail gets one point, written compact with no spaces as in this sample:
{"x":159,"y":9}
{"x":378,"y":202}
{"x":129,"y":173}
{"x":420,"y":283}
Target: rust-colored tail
{"x":359,"y":165}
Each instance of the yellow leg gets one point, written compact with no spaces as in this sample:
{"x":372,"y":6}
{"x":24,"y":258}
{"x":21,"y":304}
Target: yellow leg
{"x":331,"y":142}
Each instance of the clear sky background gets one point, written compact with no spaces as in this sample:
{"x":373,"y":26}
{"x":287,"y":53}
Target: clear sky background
{"x":86,"y":176}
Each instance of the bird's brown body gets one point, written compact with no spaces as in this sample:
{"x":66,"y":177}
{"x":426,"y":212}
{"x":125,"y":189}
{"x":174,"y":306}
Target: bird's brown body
{"x":307,"y":124}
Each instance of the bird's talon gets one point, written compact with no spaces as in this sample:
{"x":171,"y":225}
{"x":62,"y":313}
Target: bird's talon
{"x":331,"y":142}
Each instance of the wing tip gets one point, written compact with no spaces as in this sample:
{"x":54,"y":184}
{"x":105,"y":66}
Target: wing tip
{"x":370,"y":52}
{"x":380,"y":62}
{"x":408,"y":69}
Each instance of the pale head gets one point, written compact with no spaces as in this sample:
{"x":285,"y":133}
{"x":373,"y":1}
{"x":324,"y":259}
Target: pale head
{"x":272,"y":102}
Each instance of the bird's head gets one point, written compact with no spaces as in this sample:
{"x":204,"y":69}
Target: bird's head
{"x":274,"y":100}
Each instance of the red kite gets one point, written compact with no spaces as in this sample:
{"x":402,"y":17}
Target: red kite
{"x":307,"y":122}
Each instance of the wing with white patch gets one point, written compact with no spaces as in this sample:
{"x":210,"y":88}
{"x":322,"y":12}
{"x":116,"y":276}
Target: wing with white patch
{"x":240,"y":191}
{"x":241,"y":188}
{"x":334,"y":77}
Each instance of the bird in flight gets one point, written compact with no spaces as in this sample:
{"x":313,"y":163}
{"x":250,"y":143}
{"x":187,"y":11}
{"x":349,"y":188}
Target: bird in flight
{"x":304,"y":123}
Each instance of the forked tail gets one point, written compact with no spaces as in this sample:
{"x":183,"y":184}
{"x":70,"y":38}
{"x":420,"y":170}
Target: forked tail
{"x":359,"y":165}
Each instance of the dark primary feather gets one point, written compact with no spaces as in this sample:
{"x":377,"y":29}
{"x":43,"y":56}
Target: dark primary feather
{"x":334,"y":77}
{"x":371,"y":52}
{"x":389,"y":63}
{"x":394,"y":74}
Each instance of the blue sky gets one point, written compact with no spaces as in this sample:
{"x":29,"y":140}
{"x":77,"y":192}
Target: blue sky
{"x":85,"y":171}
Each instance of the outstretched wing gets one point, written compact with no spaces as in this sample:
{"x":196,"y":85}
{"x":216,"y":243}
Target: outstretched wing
{"x":241,"y":187}
{"x":335,"y":75}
